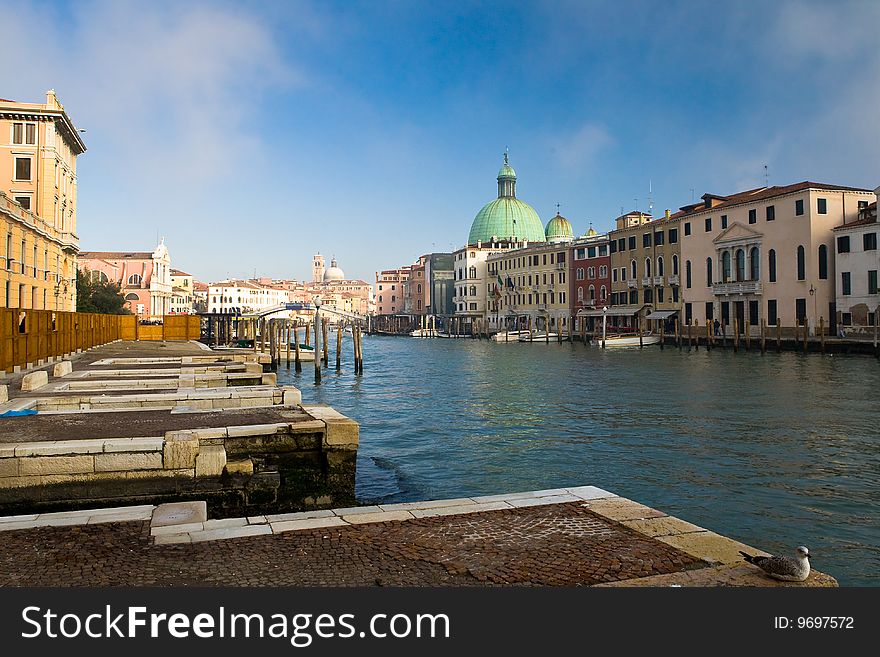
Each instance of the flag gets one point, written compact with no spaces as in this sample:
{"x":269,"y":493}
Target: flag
{"x":500,"y":282}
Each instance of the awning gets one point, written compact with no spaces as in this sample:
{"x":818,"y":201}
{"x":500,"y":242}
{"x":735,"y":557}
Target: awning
{"x":661,"y":314}
{"x":611,"y":311}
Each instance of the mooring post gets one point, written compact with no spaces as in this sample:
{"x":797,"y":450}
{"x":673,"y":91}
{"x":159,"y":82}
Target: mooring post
{"x":748,"y":331}
{"x":763,"y":336}
{"x":876,"y":323}
{"x":690,"y":337}
{"x":735,"y":334}
{"x":297,"y":363}
{"x":289,"y":328}
{"x":339,"y":346}
{"x":678,"y":333}
{"x":778,"y":336}
{"x":806,"y":334}
{"x":317,"y":350}
{"x":822,"y":333}
{"x":641,"y":339}
{"x":325,"y":331}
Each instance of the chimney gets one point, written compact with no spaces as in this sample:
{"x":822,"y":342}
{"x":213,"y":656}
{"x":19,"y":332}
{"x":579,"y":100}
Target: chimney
{"x":668,"y":213}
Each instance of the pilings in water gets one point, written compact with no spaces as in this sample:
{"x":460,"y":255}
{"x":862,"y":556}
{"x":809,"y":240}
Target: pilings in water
{"x":338,"y":347}
{"x":297,"y":364}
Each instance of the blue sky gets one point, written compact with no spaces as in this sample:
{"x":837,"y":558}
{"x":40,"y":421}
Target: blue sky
{"x":253,"y":134}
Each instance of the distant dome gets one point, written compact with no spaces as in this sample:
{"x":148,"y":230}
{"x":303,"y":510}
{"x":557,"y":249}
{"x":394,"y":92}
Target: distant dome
{"x":592,"y":232}
{"x":334,"y":273}
{"x":506,"y":216}
{"x":559,"y":229}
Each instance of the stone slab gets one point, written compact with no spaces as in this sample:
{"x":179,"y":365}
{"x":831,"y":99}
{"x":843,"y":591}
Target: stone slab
{"x":543,"y":501}
{"x":300,"y":515}
{"x":354,"y":510}
{"x":230,"y":532}
{"x":620,"y":508}
{"x":226,"y":522}
{"x":710,"y":547}
{"x":63,"y":368}
{"x":382,"y":516}
{"x":53,"y":465}
{"x":210,"y":461}
{"x":180,"y":450}
{"x":144,"y":444}
{"x":121,"y":461}
{"x":34,"y":381}
{"x":177,"y":529}
{"x":431,"y":504}
{"x":668,"y":526}
{"x":313,"y":523}
{"x":462,"y":509}
{"x":4,"y":393}
{"x":243,"y":467}
{"x":590,"y":492}
{"x":179,"y":513}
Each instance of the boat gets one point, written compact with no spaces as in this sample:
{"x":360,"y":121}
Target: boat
{"x":537,"y":337}
{"x":428,"y":333}
{"x":508,"y":336}
{"x":627,"y":340}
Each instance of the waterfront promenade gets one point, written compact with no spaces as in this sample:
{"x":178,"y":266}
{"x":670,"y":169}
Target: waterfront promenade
{"x":581,"y":536}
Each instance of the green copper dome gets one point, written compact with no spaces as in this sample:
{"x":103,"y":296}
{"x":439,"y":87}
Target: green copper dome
{"x":559,"y":229}
{"x":506,"y":216}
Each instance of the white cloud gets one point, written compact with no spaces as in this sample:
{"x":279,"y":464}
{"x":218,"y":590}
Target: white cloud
{"x":582,"y":147}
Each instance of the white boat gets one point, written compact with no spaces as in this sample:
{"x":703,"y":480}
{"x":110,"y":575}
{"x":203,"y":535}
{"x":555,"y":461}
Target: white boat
{"x":628,"y":340}
{"x":537,"y":337}
{"x":508,"y":336}
{"x":428,"y":333}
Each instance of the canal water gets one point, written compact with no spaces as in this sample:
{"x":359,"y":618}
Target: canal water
{"x":776,"y":451}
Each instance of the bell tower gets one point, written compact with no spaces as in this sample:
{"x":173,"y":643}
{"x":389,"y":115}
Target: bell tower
{"x":318,"y":268}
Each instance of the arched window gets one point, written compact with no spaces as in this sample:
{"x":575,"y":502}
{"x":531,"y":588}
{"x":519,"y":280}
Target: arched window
{"x":603,"y":293}
{"x":131,"y":297}
{"x":473,"y":290}
{"x":580,"y":273}
{"x":99,"y":277}
{"x":801,"y":265}
{"x":823,"y":262}
{"x":580,"y":294}
{"x":709,"y":271}
{"x":755,"y":262}
{"x":771,"y":271}
{"x":725,"y":267}
{"x":648,"y":267}
{"x":687,"y":273}
{"x":675,"y":265}
{"x":419,"y":289}
{"x":635,"y":270}
{"x":472,"y":272}
{"x":135,"y":279}
{"x":740,"y":265}
{"x":592,"y":293}
{"x":660,"y":271}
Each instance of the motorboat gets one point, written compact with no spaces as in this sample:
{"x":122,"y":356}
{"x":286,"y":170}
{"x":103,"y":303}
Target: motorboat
{"x":508,"y":336}
{"x":627,"y":340}
{"x":537,"y":337}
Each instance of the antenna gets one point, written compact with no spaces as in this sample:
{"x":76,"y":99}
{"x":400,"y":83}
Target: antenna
{"x":766,"y":176}
{"x":650,"y":197}
{"x":692,"y":194}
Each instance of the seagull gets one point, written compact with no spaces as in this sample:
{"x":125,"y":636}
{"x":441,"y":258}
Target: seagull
{"x":783,"y":568}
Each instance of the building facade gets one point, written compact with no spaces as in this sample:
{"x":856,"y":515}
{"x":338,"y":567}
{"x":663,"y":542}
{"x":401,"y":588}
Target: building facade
{"x":182,"y":299}
{"x":765,"y":254}
{"x":645,"y":268}
{"x":243,"y":297}
{"x":143,"y":277}
{"x":390,"y":291}
{"x":38,"y":149}
{"x":590,"y":273}
{"x":857,"y":261}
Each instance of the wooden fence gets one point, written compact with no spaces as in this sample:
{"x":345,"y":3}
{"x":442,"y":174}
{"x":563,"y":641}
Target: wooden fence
{"x":29,"y":336}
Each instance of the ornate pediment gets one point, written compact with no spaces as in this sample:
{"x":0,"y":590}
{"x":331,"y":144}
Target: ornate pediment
{"x":737,"y":233}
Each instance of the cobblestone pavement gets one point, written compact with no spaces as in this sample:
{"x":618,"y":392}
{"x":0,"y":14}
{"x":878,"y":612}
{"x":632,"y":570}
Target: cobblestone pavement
{"x":558,"y":545}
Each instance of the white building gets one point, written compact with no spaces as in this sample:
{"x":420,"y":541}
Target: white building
{"x":857,"y":263}
{"x":244,"y":297}
{"x":181,"y":293}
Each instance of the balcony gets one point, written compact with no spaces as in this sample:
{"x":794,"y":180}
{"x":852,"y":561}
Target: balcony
{"x":560,"y":266}
{"x":674,"y":280}
{"x":738,"y":287}
{"x":646,"y":282}
{"x":541,"y":306}
{"x":658,"y":281}
{"x":632,"y":284}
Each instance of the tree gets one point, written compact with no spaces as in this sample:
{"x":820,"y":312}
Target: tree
{"x":98,"y":296}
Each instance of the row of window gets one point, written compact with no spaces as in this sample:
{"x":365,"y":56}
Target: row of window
{"x":869,"y":243}
{"x":24,"y":133}
{"x":591,"y":272}
{"x":542,"y":298}
{"x":647,"y":296}
{"x":769,"y":214}
{"x":754,"y":267}
{"x":591,"y":251}
{"x":657,"y":237}
{"x":846,"y":282}
{"x":603,"y":293}
{"x":517,"y":263}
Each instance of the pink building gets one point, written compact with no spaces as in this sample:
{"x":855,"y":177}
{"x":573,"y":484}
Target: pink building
{"x":145,"y":278}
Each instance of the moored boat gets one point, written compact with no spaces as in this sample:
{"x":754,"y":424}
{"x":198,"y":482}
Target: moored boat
{"x":627,"y":340}
{"x":537,"y":337}
{"x":508,"y":336}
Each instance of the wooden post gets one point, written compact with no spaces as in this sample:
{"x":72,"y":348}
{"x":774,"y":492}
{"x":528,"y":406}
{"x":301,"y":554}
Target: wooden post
{"x":662,"y":333}
{"x":641,"y":339}
{"x":678,"y":333}
{"x":806,"y":334}
{"x":288,"y":329}
{"x":339,"y":346}
{"x":317,"y":351}
{"x":297,"y":363}
{"x":735,"y":334}
{"x":254,"y":332}
{"x":876,"y":323}
{"x":723,"y":334}
{"x":763,"y":335}
{"x":748,"y":333}
{"x":547,"y":331}
{"x":690,"y":337}
{"x":778,"y":335}
{"x":325,"y":332}
{"x":354,"y":351}
{"x":822,"y":333}
{"x":308,"y":329}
